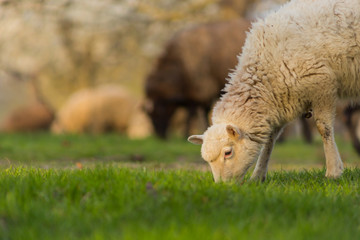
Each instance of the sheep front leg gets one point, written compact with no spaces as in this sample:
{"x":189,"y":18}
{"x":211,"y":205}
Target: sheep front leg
{"x":263,"y":161}
{"x":324,"y":119}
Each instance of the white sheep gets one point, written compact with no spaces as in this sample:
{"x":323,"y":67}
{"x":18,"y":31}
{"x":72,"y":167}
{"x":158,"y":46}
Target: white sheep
{"x":101,"y":109}
{"x":304,"y":56}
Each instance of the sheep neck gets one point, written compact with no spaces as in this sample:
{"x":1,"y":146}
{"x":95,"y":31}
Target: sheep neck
{"x":245,"y":105}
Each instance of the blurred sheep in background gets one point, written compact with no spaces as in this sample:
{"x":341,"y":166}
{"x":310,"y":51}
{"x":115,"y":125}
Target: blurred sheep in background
{"x":107,"y":108}
{"x":28,"y":118}
{"x":34,"y":115}
{"x":192,"y":71}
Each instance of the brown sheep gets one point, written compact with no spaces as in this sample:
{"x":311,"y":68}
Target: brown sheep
{"x":193,"y":70}
{"x":28,"y":118}
{"x":34,"y":116}
{"x":103,"y":109}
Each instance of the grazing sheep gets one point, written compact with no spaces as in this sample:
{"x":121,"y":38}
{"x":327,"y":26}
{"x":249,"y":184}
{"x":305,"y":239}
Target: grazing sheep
{"x":192,"y":70}
{"x":103,"y":109}
{"x":75,"y":114}
{"x":304,"y":56}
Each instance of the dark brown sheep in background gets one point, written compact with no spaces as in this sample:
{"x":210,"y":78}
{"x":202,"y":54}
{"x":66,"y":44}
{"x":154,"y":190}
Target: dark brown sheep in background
{"x":351,"y":118}
{"x":193,"y":70}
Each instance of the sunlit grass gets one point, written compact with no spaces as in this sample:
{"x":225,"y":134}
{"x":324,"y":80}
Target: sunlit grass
{"x":80,"y":187}
{"x":44,"y":148}
{"x":63,"y":150}
{"x":117,"y":203}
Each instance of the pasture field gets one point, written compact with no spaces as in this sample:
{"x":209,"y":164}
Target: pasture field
{"x":109,"y":187}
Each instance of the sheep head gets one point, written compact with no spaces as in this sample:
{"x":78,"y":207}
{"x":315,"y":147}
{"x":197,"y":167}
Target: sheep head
{"x":228,"y":150}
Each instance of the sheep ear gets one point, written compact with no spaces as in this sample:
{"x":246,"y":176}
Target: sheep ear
{"x":234,"y":132}
{"x":196,"y":139}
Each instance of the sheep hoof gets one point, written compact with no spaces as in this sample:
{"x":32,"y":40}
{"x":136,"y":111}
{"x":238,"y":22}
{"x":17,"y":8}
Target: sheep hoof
{"x":334,"y":174}
{"x":257,"y":178}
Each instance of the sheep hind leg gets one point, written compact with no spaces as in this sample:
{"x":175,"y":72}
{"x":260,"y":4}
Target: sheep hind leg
{"x":324,"y":119}
{"x":263,"y":161}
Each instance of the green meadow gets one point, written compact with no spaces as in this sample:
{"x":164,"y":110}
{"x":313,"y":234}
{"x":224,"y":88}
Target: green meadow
{"x":110,"y":187}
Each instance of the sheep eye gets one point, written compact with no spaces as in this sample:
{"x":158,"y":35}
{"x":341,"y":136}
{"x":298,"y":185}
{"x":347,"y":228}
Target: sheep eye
{"x":228,"y":153}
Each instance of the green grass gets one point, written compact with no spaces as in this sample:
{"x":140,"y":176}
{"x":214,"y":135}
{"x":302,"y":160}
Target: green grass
{"x":115,"y":203}
{"x":297,"y":152}
{"x":43,"y":195}
{"x":64,"y":149}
